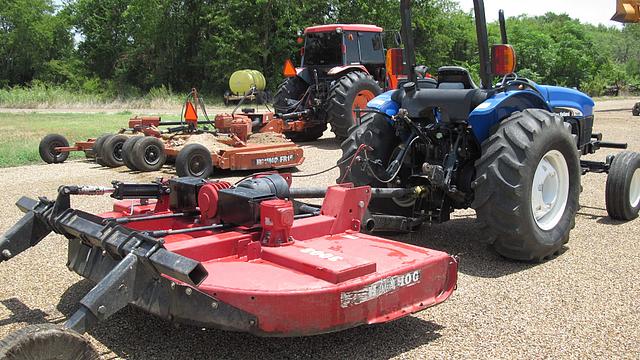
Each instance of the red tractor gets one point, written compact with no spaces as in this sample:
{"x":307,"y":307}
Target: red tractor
{"x":343,"y":67}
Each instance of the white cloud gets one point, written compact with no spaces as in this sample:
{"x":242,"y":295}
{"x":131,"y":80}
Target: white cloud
{"x":591,"y":11}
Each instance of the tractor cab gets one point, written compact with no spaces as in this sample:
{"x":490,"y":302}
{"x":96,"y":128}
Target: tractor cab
{"x":336,"y":46}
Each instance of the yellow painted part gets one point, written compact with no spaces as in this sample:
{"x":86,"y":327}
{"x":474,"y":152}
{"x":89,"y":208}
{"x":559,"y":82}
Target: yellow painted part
{"x":242,"y":81}
{"x":627,"y":11}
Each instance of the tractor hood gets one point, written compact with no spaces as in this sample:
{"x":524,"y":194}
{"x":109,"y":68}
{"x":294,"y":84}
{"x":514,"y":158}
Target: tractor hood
{"x":562,"y":99}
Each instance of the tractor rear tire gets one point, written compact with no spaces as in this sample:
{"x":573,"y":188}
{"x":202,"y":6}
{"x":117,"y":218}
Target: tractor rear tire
{"x":46,"y":341}
{"x":194,"y":160}
{"x":47,"y":149}
{"x":289,"y":93}
{"x":111,"y":150}
{"x":376,"y":132}
{"x":127,"y":152}
{"x":636,"y":109}
{"x":285,"y":101}
{"x":622,"y":193}
{"x":97,"y":148}
{"x":148,"y":154}
{"x":531,"y":161}
{"x":354,"y":90}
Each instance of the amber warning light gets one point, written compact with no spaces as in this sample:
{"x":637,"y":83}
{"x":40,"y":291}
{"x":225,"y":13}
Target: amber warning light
{"x":503,"y":60}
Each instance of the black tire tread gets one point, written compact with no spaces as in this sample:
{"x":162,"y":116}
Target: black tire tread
{"x":106,"y":151}
{"x":339,"y":108}
{"x":127,"y":152}
{"x":182,"y":160}
{"x":636,"y":109}
{"x":47,"y":340}
{"x":45,"y":143}
{"x":617,"y":187}
{"x":499,"y":187}
{"x":139,"y":150}
{"x":97,"y":148}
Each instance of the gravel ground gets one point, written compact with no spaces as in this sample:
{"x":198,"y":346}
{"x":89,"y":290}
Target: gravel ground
{"x":582,"y":304}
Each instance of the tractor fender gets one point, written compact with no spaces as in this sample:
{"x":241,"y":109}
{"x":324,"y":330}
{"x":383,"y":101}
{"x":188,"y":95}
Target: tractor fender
{"x":568,"y":100}
{"x":385,"y":103}
{"x":348,"y":68}
{"x":499,"y":107}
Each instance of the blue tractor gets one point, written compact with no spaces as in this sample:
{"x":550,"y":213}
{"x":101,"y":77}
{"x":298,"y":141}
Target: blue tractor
{"x":510,"y":149}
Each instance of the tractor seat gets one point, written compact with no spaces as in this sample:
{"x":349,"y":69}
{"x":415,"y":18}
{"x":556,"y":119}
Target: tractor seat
{"x":455,"y":77}
{"x":454,"y":105}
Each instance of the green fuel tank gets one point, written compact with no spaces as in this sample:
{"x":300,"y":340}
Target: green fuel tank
{"x":242,"y":81}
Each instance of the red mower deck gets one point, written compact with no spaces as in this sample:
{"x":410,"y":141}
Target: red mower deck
{"x":245,"y":258}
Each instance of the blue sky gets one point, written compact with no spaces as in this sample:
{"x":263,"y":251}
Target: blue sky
{"x":589,"y":11}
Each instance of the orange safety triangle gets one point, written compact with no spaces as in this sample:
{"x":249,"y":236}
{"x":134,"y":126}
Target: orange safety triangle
{"x":190,"y":113}
{"x":289,"y":70}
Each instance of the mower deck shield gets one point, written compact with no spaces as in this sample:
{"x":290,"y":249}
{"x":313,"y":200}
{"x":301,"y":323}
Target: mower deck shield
{"x":329,"y":279}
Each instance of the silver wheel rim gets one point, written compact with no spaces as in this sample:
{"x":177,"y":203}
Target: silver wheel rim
{"x":550,"y":190}
{"x":634,"y":189}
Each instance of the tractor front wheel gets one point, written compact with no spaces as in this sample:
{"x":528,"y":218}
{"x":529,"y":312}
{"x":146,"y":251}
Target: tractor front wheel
{"x":46,"y":341}
{"x":352,"y":91}
{"x":47,"y":149}
{"x":528,"y":185}
{"x":636,"y":109}
{"x":622,"y":193}
{"x":194,"y":160}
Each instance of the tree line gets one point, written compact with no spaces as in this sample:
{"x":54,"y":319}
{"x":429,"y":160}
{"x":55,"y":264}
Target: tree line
{"x":128,"y":47}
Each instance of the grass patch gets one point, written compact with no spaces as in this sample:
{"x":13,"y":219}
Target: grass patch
{"x":42,"y":96}
{"x":21,"y":133}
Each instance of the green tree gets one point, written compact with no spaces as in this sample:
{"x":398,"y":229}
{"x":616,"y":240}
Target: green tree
{"x":31,"y":35}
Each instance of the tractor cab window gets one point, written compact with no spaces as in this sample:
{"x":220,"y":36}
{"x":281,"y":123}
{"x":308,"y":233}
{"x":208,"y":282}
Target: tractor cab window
{"x":371,"y":49}
{"x":323,"y":49}
{"x":351,"y":45}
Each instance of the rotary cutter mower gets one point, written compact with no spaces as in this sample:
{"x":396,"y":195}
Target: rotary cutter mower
{"x":248,"y":257}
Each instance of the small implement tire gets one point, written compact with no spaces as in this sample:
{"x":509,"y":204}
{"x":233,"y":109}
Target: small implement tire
{"x":376,"y":132}
{"x":527,"y":185}
{"x":47,"y":149}
{"x":148,"y":154}
{"x":46,"y":341}
{"x":354,"y":90}
{"x":127,"y":152}
{"x":111,"y":150}
{"x":636,"y":109}
{"x":97,"y":148}
{"x":194,"y":160}
{"x":622,"y":193}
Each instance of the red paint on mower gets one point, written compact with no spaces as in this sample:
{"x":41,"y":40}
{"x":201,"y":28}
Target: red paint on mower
{"x":309,"y":275}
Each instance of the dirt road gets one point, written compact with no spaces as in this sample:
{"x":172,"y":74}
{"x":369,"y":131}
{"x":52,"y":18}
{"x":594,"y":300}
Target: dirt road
{"x":582,"y":304}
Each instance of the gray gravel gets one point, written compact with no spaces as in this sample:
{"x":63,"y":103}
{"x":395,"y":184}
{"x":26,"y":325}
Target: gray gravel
{"x":582,"y":304}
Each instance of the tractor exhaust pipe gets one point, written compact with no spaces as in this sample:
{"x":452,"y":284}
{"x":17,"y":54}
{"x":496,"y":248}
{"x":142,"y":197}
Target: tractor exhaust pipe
{"x":503,"y":27}
{"x":407,"y":39}
{"x":483,"y":43}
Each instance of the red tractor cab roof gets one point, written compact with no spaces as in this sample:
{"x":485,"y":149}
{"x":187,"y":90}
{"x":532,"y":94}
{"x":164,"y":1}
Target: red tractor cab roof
{"x":344,"y":27}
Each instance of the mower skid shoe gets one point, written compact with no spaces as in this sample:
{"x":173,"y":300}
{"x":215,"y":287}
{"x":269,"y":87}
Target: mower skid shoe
{"x":28,"y":231}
